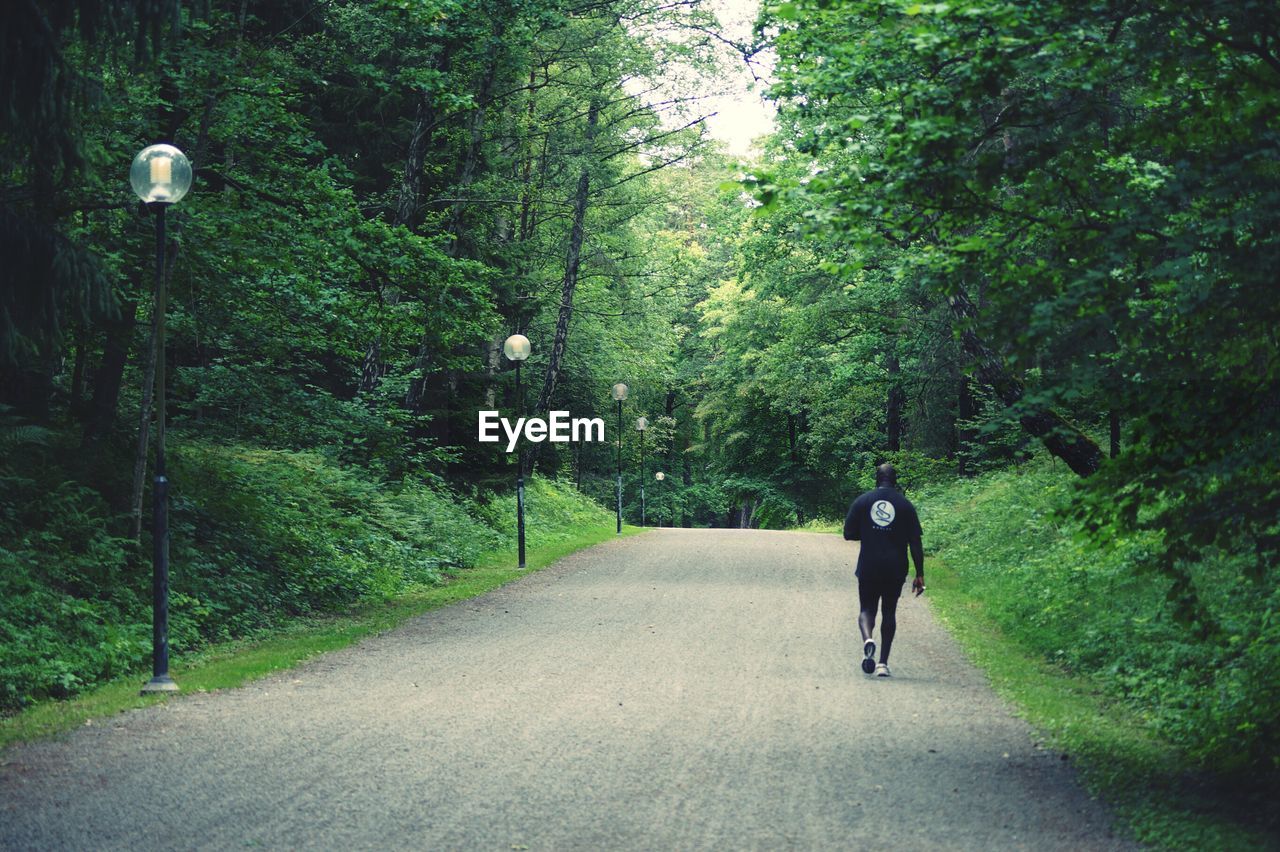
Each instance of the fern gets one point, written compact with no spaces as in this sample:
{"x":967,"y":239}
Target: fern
{"x":14,"y":433}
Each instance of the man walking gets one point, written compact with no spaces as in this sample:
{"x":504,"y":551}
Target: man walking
{"x":887,"y":525}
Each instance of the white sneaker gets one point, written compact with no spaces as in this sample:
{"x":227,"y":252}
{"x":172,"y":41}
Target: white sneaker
{"x":882,"y":670}
{"x":869,"y":656}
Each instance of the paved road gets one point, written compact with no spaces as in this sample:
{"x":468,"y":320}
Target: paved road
{"x":684,"y":689}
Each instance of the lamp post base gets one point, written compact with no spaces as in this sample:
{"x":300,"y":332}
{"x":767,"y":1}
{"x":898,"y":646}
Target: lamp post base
{"x":160,"y":683}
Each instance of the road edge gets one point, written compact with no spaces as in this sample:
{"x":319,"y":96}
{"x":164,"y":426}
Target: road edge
{"x":232,"y":664}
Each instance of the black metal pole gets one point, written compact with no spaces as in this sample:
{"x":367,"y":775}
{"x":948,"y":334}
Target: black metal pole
{"x":160,"y":680}
{"x":641,"y":477}
{"x":619,"y":467}
{"x":519,"y":473}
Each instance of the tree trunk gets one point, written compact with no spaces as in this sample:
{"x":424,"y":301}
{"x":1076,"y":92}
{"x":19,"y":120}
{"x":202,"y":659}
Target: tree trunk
{"x":1061,"y":438}
{"x":109,"y":375}
{"x":475,"y":130}
{"x":492,"y":367}
{"x":965,"y":435}
{"x":410,"y":191}
{"x":144,"y":433}
{"x":431,"y":390}
{"x":77,"y":374}
{"x":370,"y":368}
{"x":144,"y":407}
{"x":526,"y":181}
{"x":408,"y":198}
{"x":573,"y":260}
{"x":893,"y":414}
{"x":687,"y":479}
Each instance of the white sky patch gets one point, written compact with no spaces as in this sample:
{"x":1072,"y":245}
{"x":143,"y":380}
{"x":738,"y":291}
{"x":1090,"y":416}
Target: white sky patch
{"x":743,"y":114}
{"x":736,"y":95}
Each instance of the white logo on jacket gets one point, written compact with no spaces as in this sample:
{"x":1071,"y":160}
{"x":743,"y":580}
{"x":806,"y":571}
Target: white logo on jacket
{"x":882,"y":513}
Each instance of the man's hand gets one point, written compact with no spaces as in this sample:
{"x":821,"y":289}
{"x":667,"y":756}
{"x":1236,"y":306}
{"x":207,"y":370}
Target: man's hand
{"x":917,"y":585}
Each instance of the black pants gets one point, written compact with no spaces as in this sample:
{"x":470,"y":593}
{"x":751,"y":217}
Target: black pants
{"x":874,"y":589}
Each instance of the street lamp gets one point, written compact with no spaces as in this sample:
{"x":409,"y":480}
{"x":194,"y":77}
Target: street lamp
{"x":619,"y":394}
{"x":517,"y":348}
{"x":642,"y":423}
{"x":160,"y":175}
{"x":661,"y":476}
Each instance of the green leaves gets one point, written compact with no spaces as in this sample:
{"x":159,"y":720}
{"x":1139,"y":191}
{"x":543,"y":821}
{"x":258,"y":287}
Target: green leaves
{"x":927,"y":9}
{"x":787,"y":11}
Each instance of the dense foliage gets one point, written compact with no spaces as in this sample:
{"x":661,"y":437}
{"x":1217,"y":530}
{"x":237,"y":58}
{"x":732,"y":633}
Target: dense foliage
{"x":1091,"y":191}
{"x":259,"y":535}
{"x":1084,"y":607}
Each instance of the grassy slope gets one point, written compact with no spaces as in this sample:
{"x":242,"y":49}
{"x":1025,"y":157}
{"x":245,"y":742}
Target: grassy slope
{"x":1141,"y":777}
{"x":1005,"y":578}
{"x":259,"y":538}
{"x":233,"y":664}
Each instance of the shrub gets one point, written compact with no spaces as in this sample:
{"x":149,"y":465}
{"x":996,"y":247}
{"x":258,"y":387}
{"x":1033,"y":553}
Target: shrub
{"x":554,"y":511}
{"x":67,"y":593}
{"x":259,"y":533}
{"x":1090,"y":608}
{"x":257,"y":536}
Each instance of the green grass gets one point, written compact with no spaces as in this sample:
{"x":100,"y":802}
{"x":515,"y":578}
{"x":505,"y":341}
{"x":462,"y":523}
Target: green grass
{"x":822,"y":525}
{"x":1143,"y":779}
{"x":233,"y":664}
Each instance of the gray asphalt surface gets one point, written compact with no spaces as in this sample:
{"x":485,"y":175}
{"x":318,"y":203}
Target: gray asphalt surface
{"x":684,"y":689}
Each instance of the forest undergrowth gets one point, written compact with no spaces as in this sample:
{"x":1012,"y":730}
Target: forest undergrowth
{"x":1173,"y":725}
{"x":259,"y":537}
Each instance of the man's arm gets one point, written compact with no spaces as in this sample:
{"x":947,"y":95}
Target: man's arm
{"x":917,"y":556}
{"x":851,"y":532}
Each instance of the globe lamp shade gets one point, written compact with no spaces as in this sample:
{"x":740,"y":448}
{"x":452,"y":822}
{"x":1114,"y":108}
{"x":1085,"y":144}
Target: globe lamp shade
{"x":160,"y":173}
{"x":620,"y":391}
{"x":516,"y":347}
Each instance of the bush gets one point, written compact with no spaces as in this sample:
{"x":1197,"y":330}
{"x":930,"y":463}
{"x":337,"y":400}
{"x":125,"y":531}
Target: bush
{"x":262,"y":533}
{"x":1089,"y":608}
{"x":553,"y":512}
{"x":257,"y":536}
{"x":68,"y":600}
{"x":915,"y":470}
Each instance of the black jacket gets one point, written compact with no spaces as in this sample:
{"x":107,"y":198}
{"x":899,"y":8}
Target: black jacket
{"x":886,"y":523}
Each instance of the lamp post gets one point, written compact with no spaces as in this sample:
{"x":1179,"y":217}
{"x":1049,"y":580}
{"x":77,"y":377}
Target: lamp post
{"x":517,"y":348}
{"x":160,"y":175}
{"x":642,"y":423}
{"x":619,"y":394}
{"x":661,"y":476}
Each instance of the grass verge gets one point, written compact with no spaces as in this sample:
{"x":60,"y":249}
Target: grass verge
{"x":822,"y":525}
{"x":1143,"y":779}
{"x":235,"y":663}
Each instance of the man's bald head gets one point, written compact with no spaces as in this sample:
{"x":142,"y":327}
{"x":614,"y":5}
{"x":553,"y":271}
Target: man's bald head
{"x":886,"y":476}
